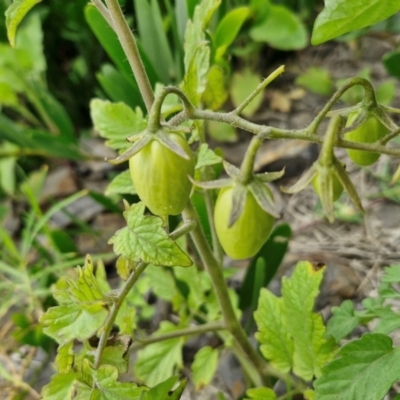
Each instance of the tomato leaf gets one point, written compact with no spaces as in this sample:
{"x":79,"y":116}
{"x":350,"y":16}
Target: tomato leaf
{"x":157,"y":361}
{"x":65,"y":357}
{"x":207,"y":157}
{"x":260,"y":393}
{"x":15,"y":13}
{"x":116,"y":121}
{"x":349,"y":376}
{"x":339,"y":17}
{"x":121,"y":184}
{"x":311,"y":349}
{"x":343,"y":321}
{"x":61,"y":387}
{"x":215,"y":94}
{"x":162,"y":391}
{"x":276,"y":343}
{"x":204,"y":366}
{"x":144,"y":239}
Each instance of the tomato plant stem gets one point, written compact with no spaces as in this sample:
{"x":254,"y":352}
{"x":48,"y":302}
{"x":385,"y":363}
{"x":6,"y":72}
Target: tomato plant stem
{"x":112,"y":315}
{"x":193,"y":330}
{"x":128,"y":43}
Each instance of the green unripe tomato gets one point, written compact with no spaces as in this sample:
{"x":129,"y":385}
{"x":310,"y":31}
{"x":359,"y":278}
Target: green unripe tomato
{"x":337,"y":187}
{"x":160,"y":176}
{"x":370,"y":131}
{"x":250,"y":231}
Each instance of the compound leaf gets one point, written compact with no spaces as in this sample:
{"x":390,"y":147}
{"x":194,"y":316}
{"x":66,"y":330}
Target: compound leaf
{"x":365,"y":369}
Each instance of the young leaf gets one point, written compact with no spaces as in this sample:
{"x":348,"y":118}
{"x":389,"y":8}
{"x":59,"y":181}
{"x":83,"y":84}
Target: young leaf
{"x":366,"y":369}
{"x":343,"y":321}
{"x":260,"y":393}
{"x":339,"y":17}
{"x":207,"y":157}
{"x":204,"y":366}
{"x":311,"y":349}
{"x":157,"y":361}
{"x":65,"y":357}
{"x":116,"y":354}
{"x":61,"y":387}
{"x":144,"y":239}
{"x":15,"y":14}
{"x":115,"y":122}
{"x":276,"y":343}
{"x":121,"y":184}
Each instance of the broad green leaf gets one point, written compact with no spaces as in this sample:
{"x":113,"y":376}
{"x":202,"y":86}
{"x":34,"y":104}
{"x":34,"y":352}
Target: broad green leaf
{"x":242,"y":85}
{"x":228,"y":29}
{"x":316,"y":80}
{"x":153,"y":38}
{"x":121,"y":184}
{"x":61,"y":387}
{"x":311,"y":349}
{"x":65,"y":357}
{"x":69,"y":322}
{"x":144,"y":239}
{"x":207,"y":157}
{"x":116,"y":121}
{"x":343,"y":321}
{"x":339,"y":17}
{"x":261,"y":393}
{"x":273,"y":336}
{"x":366,"y":369}
{"x":281,"y":29}
{"x":157,"y":361}
{"x":215,"y":94}
{"x":204,"y":366}
{"x":8,"y":96}
{"x":15,"y":14}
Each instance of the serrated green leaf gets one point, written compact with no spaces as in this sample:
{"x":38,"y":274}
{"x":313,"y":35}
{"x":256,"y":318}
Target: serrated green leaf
{"x":261,"y":393}
{"x":392,"y":274}
{"x":276,"y":343}
{"x":281,"y":29}
{"x":61,"y":387}
{"x":215,"y":94}
{"x":121,"y":184}
{"x":157,"y":361}
{"x":106,"y":386}
{"x":204,"y":366}
{"x":65,"y":357}
{"x":366,"y":369}
{"x":117,"y":354}
{"x":126,"y":318}
{"x":144,"y":239}
{"x":311,"y":349}
{"x":339,"y":17}
{"x":207,"y":157}
{"x":343,"y":321}
{"x":116,"y":121}
{"x":15,"y":14}
{"x":69,"y":322}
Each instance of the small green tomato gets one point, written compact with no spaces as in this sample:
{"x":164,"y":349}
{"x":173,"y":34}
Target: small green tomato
{"x":249,"y":232}
{"x":160,"y":176}
{"x":370,"y":131}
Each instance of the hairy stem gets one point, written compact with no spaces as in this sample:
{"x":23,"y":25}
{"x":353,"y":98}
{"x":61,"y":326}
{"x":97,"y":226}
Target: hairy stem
{"x":102,"y":9}
{"x":112,"y":315}
{"x":193,"y":330}
{"x":128,"y":43}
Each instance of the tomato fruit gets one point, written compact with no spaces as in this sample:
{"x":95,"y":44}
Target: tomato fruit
{"x":249,"y":232}
{"x":337,"y":186}
{"x":160,"y":176}
{"x":370,"y":131}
